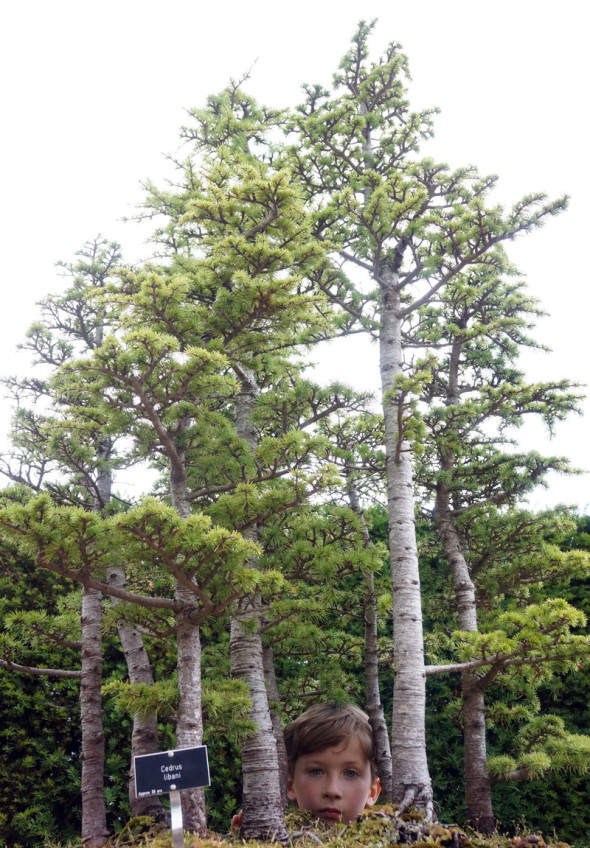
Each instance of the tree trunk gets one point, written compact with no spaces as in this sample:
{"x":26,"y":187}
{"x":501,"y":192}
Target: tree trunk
{"x":262,"y":805}
{"x":411,"y":779}
{"x":144,"y":736}
{"x":189,"y":725}
{"x":274,"y":697}
{"x":94,"y":819}
{"x":478,"y":788}
{"x":94,"y":824}
{"x":262,"y":816}
{"x":371,"y":664}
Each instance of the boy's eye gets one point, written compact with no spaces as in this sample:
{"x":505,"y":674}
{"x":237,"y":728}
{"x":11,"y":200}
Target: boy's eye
{"x":314,"y":771}
{"x":351,"y":773}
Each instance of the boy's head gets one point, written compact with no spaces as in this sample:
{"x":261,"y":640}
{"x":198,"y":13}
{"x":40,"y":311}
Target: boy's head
{"x":331,"y":762}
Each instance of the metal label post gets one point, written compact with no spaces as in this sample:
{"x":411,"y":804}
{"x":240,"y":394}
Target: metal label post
{"x":176,"y":815}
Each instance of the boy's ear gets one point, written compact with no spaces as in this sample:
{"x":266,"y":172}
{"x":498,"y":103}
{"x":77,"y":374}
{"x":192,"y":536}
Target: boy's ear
{"x":290,"y":793}
{"x":374,"y":792}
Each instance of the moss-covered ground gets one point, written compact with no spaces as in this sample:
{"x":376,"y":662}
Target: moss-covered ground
{"x":380,"y":827}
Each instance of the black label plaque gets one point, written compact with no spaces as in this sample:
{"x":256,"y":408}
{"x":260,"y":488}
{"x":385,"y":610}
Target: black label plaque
{"x":171,"y":771}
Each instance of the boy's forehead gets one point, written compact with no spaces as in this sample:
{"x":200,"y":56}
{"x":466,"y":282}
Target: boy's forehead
{"x":349,"y":749}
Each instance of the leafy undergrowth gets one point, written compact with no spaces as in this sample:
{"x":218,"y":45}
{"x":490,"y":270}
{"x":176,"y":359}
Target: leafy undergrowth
{"x":379,"y":827}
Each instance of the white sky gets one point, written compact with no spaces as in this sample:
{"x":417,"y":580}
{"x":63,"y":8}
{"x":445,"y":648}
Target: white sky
{"x":93,"y":94}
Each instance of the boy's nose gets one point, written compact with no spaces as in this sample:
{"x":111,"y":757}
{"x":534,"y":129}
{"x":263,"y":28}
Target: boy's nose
{"x":332,"y":787}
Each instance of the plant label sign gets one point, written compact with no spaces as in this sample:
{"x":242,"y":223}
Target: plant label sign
{"x":171,"y":771}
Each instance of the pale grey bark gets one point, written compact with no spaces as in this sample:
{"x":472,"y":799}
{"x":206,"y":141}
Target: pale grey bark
{"x":478,"y":788}
{"x":65,"y":674}
{"x":144,"y":736}
{"x":373,"y":704}
{"x":262,"y":805}
{"x":274,"y":698}
{"x":462,"y":583}
{"x":104,"y":479}
{"x":411,"y":779}
{"x":189,"y":725}
{"x":94,"y":826}
{"x":411,"y":782}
